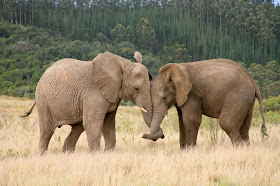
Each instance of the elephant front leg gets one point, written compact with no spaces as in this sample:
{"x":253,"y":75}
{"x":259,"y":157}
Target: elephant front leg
{"x":181,"y":129}
{"x":191,"y":131}
{"x":72,"y":138}
{"x":93,"y":123}
{"x":109,"y":131}
{"x":191,"y":120}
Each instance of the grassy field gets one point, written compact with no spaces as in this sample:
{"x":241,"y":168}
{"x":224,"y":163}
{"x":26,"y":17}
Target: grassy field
{"x":136,"y":161}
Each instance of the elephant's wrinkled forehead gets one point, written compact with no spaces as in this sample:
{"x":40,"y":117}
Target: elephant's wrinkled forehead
{"x":158,"y":84}
{"x":140,"y":71}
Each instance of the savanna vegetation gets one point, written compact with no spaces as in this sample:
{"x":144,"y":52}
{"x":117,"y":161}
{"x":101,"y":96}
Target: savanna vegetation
{"x":35,"y":34}
{"x":136,"y":161}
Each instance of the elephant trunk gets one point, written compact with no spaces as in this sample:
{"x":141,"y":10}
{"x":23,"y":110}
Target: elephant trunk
{"x":148,"y":116}
{"x":155,"y":130}
{"x":144,"y":102}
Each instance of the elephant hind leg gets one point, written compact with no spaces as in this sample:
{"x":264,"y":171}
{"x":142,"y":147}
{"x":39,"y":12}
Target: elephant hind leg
{"x":46,"y":129}
{"x":231,"y":120}
{"x":72,"y":138}
{"x":44,"y":141}
{"x":232,"y":130}
{"x":244,"y":129}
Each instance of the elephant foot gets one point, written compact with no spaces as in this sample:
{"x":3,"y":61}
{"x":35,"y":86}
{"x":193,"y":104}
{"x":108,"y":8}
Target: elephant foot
{"x":68,"y":149}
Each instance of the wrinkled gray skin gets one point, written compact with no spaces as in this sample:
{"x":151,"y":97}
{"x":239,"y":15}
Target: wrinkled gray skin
{"x":86,"y":96}
{"x":217,"y":88}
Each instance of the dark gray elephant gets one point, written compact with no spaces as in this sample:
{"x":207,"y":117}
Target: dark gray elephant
{"x":86,"y":96}
{"x":218,"y":88}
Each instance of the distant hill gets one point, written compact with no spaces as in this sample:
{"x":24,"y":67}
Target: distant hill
{"x":164,"y":31}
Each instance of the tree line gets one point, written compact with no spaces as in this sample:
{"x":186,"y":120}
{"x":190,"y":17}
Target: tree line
{"x":26,"y":52}
{"x":246,"y":30}
{"x":35,"y":34}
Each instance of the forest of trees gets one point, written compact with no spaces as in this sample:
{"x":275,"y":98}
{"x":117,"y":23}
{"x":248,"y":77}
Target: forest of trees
{"x":34,"y":34}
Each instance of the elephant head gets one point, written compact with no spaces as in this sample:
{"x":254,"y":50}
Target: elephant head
{"x":170,"y":87}
{"x":118,"y":78}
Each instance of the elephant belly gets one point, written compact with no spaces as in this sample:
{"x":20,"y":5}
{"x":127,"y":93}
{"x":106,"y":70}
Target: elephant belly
{"x":68,"y":111}
{"x":66,"y":122}
{"x":212,"y":113}
{"x":65,"y":108}
{"x":212,"y":106}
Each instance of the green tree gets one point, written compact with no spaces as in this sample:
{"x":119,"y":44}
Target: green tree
{"x":146,"y":35}
{"x":130,"y":34}
{"x":175,"y":54}
{"x":118,"y":34}
{"x":102,"y":38}
{"x":241,"y":30}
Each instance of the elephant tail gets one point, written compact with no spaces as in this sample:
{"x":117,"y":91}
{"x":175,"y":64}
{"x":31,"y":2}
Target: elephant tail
{"x":30,"y":110}
{"x":259,"y":97}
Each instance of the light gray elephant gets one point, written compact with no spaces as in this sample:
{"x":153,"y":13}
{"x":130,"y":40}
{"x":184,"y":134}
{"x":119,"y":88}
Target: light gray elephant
{"x":218,"y":88}
{"x":86,"y":95}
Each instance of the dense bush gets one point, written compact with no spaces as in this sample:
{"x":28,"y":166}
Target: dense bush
{"x":26,"y":52}
{"x":272,"y":104}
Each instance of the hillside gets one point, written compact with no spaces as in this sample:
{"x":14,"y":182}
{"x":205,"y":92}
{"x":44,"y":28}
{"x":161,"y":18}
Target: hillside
{"x":35,"y":34}
{"x":28,"y":51}
{"x":244,"y":30}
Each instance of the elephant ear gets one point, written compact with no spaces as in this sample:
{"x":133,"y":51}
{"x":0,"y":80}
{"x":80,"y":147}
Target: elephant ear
{"x":107,"y":75}
{"x":138,"y":57}
{"x":178,"y":75}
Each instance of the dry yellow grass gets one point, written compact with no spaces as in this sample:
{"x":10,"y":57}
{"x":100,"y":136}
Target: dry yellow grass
{"x":135,"y":161}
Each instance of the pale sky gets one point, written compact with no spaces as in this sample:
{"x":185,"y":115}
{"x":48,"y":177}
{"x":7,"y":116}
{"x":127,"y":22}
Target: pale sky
{"x":276,"y":2}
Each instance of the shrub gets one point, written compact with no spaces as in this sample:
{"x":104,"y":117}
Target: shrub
{"x":272,"y":104}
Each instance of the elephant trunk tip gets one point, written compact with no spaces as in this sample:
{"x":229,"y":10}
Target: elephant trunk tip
{"x":155,"y":136}
{"x":150,"y":137}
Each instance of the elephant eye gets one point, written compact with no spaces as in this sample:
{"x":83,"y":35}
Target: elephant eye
{"x":164,"y":98}
{"x":136,"y":89}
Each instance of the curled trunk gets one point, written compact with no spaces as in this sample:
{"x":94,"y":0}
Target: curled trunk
{"x":155,"y":130}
